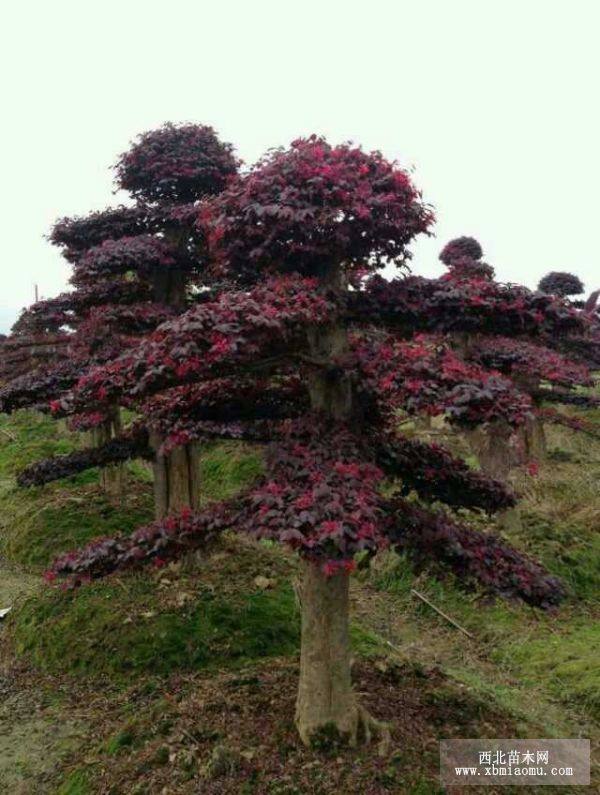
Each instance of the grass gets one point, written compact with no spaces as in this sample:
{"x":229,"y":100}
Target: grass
{"x":77,"y":783}
{"x":28,"y":436}
{"x":40,"y":523}
{"x":565,"y":661}
{"x":130,"y":626}
{"x":50,"y":522}
{"x":227,"y":467}
{"x":209,"y":613}
{"x":134,"y":624}
{"x":542,"y":666}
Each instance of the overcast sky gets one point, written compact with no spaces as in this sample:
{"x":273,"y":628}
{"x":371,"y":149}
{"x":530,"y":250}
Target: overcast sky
{"x":493,"y":103}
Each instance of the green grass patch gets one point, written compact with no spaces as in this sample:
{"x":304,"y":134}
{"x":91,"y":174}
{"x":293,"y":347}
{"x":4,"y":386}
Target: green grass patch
{"x":120,"y":741}
{"x":566,"y":661}
{"x":146,"y":622}
{"x":139,"y":623}
{"x":226,"y":468}
{"x":119,"y":628}
{"x":569,"y":550}
{"x":77,"y":783}
{"x":28,"y":436}
{"x":37,"y":524}
{"x":545,"y":665}
{"x":41,"y":524}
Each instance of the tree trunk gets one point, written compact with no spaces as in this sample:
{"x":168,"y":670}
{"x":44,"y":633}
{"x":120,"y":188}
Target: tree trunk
{"x":330,"y":390}
{"x":169,"y":287}
{"x":491,"y":445}
{"x":325,"y":700}
{"x":534,"y":439}
{"x":177,"y":474}
{"x":532,"y":434}
{"x":176,"y":478}
{"x":493,"y":450}
{"x":326,"y":706}
{"x":112,"y":477}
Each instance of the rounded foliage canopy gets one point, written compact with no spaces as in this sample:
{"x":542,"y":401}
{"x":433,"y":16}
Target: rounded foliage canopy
{"x":460,"y":248}
{"x":303,"y":208}
{"x":561,"y":283}
{"x":179,"y":163}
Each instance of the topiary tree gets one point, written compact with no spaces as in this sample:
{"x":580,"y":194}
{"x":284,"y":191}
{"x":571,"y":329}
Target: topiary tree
{"x":561,"y":283}
{"x":541,"y":373}
{"x":463,"y":258}
{"x":133,"y":267}
{"x":308,"y":357}
{"x":527,"y":363}
{"x":89,"y":334}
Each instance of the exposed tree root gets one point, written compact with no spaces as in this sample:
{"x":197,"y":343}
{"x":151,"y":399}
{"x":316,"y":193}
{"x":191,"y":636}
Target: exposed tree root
{"x":369,"y":726}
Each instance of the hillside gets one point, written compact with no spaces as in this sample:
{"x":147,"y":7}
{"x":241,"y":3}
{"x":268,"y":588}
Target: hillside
{"x":184,"y":681}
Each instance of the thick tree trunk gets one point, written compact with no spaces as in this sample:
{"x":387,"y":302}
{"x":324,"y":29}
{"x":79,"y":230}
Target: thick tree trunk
{"x":532,"y":435}
{"x":492,"y":447}
{"x":177,"y":474}
{"x":326,"y":706}
{"x":534,"y":440}
{"x":176,"y":478}
{"x":325,"y":696}
{"x":330,"y":390}
{"x":169,"y":287}
{"x":112,"y":477}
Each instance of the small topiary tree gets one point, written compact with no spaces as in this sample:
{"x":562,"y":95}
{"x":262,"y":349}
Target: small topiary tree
{"x":561,"y":283}
{"x":527,"y":363}
{"x":133,"y":267}
{"x":300,"y":359}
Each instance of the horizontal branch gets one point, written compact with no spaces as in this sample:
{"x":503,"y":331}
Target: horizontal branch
{"x":115,"y":451}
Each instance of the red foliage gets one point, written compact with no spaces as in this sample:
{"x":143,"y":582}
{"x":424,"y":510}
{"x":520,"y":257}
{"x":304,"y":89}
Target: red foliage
{"x":296,"y":230}
{"x":462,"y":256}
{"x":80,"y":233}
{"x":299,"y":209}
{"x":436,"y":475}
{"x":569,"y":421}
{"x":231,"y":408}
{"x":560,"y":283}
{"x":321,"y":495}
{"x":21,"y":354}
{"x":128,"y":254}
{"x":461,"y":248}
{"x":213,"y":339}
{"x":425,"y":377}
{"x":157,"y":542}
{"x":567,"y":398}
{"x":134,"y":444}
{"x":412,"y":304}
{"x":38,"y":386}
{"x":433,"y":538}
{"x":522,"y":358}
{"x":179,"y":163}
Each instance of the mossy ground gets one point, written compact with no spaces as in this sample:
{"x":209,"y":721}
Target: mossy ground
{"x":131,"y":647}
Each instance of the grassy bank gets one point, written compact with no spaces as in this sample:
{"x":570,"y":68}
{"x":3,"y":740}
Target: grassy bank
{"x":154,"y":672}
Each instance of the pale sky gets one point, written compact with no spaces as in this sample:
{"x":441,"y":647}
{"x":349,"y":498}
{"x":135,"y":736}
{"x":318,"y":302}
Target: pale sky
{"x":492,"y":103}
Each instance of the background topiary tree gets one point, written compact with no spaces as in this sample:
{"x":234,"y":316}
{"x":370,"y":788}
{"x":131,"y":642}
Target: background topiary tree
{"x":561,"y":283}
{"x":530,"y":364}
{"x":133,"y":267}
{"x":304,"y":355}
